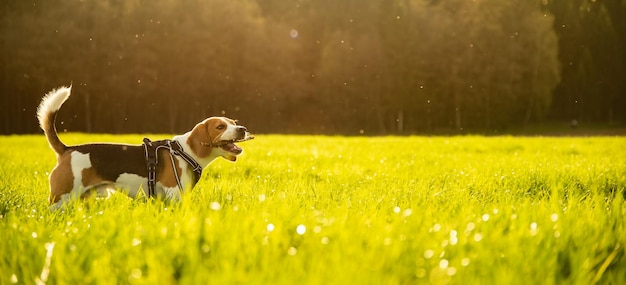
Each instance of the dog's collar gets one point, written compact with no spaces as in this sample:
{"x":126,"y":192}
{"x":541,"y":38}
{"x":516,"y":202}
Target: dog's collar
{"x":151,"y":152}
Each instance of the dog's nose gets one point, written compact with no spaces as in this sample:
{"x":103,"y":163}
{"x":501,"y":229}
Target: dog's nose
{"x":241,"y":129}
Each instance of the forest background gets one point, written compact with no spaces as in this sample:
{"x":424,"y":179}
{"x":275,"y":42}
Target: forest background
{"x":314,"y":66}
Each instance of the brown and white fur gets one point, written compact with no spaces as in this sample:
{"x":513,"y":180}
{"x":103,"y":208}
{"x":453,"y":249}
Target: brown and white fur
{"x":100,"y":168}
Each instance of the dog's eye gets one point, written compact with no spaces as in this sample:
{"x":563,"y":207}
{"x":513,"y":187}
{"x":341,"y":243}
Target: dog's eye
{"x":221,"y":127}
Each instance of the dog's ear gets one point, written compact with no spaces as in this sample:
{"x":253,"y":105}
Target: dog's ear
{"x":199,"y":135}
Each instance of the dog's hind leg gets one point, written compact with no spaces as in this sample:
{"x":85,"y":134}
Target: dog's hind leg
{"x":100,"y":191}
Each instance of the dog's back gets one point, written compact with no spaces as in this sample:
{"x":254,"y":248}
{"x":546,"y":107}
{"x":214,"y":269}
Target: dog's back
{"x":112,"y":160}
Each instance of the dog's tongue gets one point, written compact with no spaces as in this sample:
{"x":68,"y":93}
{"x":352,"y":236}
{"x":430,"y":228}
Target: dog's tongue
{"x":233,"y":148}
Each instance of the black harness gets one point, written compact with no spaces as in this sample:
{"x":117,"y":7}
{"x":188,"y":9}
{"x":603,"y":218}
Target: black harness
{"x":151,"y":150}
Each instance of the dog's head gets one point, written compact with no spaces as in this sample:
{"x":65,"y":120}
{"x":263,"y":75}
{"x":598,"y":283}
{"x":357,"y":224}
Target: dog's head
{"x":216,"y":136}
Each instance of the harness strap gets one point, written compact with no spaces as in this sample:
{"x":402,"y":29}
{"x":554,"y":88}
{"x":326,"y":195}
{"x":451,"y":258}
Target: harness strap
{"x":151,"y":163}
{"x":151,"y":153}
{"x":197,"y":168}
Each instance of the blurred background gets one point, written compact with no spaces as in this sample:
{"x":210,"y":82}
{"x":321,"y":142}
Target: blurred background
{"x":315,"y":66}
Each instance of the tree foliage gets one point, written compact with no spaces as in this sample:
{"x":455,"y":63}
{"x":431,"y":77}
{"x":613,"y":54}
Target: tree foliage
{"x":593,"y":57}
{"x":400,"y":66}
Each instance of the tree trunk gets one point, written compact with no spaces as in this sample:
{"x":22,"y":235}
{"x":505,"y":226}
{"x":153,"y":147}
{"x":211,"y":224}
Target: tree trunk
{"x":400,"y":122}
{"x":88,"y":116}
{"x":457,"y":99}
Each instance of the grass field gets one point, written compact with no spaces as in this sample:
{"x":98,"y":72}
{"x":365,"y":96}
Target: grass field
{"x":335,"y":210}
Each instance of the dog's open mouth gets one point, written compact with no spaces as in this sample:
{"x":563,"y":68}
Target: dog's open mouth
{"x":232,"y":148}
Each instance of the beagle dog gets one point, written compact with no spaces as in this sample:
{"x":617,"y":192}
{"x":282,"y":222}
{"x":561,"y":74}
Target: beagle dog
{"x":101,"y":168}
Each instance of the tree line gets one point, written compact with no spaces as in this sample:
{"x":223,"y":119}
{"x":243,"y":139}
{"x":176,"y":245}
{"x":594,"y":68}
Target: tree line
{"x":324,"y":66}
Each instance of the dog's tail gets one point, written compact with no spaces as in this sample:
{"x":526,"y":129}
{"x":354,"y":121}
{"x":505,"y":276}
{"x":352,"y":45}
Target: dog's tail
{"x":47,"y":113}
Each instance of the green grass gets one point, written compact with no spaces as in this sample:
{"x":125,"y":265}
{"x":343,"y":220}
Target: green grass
{"x":335,"y":210}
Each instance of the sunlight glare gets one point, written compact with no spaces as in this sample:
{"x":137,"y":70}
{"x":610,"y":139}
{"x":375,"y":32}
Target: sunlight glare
{"x":420,"y":273}
{"x":478,"y":237}
{"x":292,"y":251}
{"x":450,"y":271}
{"x":465,"y":261}
{"x":293,"y":33}
{"x":533,"y":229}
{"x":397,"y":210}
{"x":470,"y":227}
{"x":435,"y":228}
{"x":407,"y":212}
{"x":443,"y":264}
{"x":215,"y":206}
{"x":453,"y":237}
{"x":325,"y":240}
{"x":301,"y":229}
{"x":429,"y":253}
{"x":485,"y":217}
{"x":554,"y":217}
